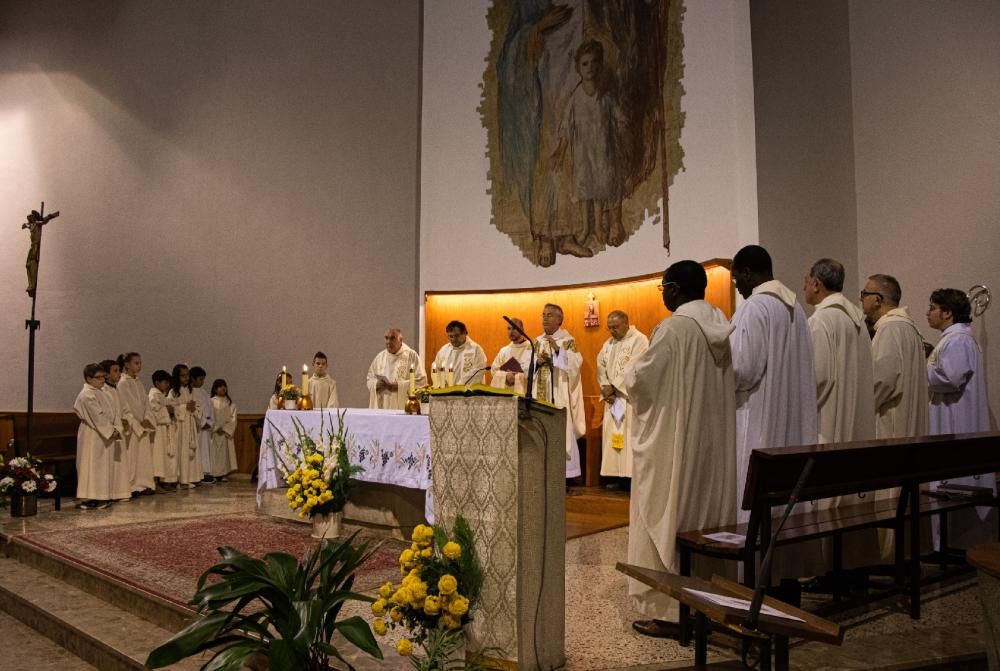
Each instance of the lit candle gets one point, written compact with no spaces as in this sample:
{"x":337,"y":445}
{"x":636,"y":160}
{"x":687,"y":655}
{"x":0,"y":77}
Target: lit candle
{"x":413,"y":379}
{"x":434,"y":374}
{"x":305,"y":380}
{"x":451,"y":376}
{"x":284,"y":375}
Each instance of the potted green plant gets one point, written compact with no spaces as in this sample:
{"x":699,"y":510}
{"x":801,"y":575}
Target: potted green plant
{"x":277,"y":609}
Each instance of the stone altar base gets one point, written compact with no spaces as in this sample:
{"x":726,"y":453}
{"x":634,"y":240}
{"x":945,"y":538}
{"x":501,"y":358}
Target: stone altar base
{"x":388,"y":509}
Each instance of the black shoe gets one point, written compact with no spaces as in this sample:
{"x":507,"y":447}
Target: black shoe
{"x":656,"y":628}
{"x":88,"y":505}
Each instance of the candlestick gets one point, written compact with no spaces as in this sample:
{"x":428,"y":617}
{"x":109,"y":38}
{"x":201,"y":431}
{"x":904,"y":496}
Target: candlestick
{"x":305,"y":380}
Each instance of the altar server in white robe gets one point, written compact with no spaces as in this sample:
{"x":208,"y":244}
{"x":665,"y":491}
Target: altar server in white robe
{"x":845,"y":391}
{"x":462,"y":359}
{"x":95,"y":440}
{"x":184,"y":434}
{"x":204,"y":418}
{"x":519,"y":349}
{"x":389,"y":373}
{"x":956,"y":376}
{"x":322,"y":386}
{"x":772,"y":363}
{"x":684,"y":396}
{"x":140,"y":450}
{"x":164,"y":456}
{"x":616,"y":355}
{"x":121,"y":475}
{"x":557,"y":380}
{"x":223,"y":446}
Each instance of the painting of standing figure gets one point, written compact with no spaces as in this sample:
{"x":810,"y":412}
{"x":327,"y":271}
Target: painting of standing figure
{"x":582,"y":107}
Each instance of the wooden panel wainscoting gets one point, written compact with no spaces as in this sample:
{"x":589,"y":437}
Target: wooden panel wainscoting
{"x":481,"y":312}
{"x":54,"y":436}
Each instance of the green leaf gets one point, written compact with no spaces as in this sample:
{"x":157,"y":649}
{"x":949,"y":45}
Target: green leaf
{"x":357,"y":631}
{"x":192,"y":639}
{"x":287,"y":656}
{"x":232,"y":658}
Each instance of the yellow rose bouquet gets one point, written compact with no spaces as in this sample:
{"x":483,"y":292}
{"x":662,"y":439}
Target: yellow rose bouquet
{"x":318,"y":474}
{"x":434,"y":600}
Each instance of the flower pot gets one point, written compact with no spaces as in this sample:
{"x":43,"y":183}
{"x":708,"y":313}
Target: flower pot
{"x":23,"y":505}
{"x":327,"y":525}
{"x":291,"y":404}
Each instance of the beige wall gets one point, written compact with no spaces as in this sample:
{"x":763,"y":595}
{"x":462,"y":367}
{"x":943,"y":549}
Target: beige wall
{"x":805,"y":158}
{"x":237,"y":181}
{"x":926,"y":90}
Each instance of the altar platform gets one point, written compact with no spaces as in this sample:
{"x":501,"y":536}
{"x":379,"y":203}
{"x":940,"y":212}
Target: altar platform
{"x":109,"y":585}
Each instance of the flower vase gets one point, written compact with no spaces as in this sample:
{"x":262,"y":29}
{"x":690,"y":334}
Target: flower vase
{"x":291,"y":404}
{"x":23,"y":505}
{"x":327,"y":525}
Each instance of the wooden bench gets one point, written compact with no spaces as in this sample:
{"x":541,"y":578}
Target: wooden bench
{"x":841,"y":470}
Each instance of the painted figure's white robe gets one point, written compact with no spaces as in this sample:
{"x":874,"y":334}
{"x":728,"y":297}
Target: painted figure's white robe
{"x":323,"y":392}
{"x":140,"y":447}
{"x":94,"y":446}
{"x":683,"y":393}
{"x":223,"y":452}
{"x":463,"y":361}
{"x":956,"y":377}
{"x":521,"y":352}
{"x":560,"y":385}
{"x":395,"y":368}
{"x":613,"y":361}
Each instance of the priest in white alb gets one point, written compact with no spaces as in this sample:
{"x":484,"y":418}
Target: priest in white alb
{"x":956,"y":376}
{"x":462,"y":359}
{"x":322,"y":386}
{"x":900,"y":375}
{"x":557,"y":380}
{"x":845,"y":391}
{"x":504,"y":373}
{"x":683,"y":392}
{"x":616,"y":355}
{"x":392,"y":371}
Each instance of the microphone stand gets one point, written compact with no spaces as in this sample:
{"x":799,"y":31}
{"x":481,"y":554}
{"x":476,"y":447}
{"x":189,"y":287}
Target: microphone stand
{"x":474,"y":374}
{"x":765,"y":566}
{"x":531,"y":366}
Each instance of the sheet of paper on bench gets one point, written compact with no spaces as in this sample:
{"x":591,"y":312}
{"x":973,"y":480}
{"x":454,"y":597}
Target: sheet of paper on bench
{"x":740,"y":604}
{"x":726,"y":537}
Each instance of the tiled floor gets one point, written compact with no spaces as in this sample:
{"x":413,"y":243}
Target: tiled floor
{"x":34,"y":651}
{"x":598,"y":612}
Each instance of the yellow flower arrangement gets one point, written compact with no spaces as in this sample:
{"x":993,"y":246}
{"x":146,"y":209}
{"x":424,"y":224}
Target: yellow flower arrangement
{"x":436,"y":595}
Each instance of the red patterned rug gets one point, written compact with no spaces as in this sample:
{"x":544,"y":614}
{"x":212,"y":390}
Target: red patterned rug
{"x":167,"y":558}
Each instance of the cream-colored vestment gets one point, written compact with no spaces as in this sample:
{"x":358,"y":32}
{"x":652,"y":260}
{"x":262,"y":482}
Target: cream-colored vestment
{"x":521,"y":352}
{"x":612,"y":363}
{"x":395,"y":368}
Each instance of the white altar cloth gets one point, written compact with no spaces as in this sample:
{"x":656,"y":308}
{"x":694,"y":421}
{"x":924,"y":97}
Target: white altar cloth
{"x":392,"y":447}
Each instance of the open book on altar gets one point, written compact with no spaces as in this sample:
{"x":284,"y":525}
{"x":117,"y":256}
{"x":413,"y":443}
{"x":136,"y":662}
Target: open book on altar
{"x":479,"y":390}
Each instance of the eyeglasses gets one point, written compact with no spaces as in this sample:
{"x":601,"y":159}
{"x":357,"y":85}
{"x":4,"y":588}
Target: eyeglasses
{"x":663,"y":285}
{"x":99,"y":376}
{"x":871,"y":293}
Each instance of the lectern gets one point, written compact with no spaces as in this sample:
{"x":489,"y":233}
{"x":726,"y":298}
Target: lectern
{"x":501,"y":463}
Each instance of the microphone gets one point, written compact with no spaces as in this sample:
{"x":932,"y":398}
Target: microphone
{"x":474,"y":374}
{"x":531,"y":366}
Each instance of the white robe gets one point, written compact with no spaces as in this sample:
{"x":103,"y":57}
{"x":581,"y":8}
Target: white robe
{"x":845,"y":398}
{"x":561,"y":386}
{"x":521,"y":352}
{"x":612,"y":363}
{"x":204,"y":415}
{"x":900,"y":377}
{"x":464,"y":361}
{"x":683,"y":392}
{"x":323,"y":392}
{"x":94,"y":446}
{"x":223,"y":452}
{"x":185,"y":441}
{"x":775,"y":376}
{"x":140,"y":448}
{"x":956,"y":376}
{"x":395,"y":368}
{"x":121,"y":476}
{"x":164,"y":456}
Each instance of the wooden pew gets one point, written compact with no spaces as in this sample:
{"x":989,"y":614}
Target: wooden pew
{"x":845,"y":469}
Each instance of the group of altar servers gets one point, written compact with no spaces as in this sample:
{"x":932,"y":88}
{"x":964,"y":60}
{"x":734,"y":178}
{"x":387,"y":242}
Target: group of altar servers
{"x":135,"y":443}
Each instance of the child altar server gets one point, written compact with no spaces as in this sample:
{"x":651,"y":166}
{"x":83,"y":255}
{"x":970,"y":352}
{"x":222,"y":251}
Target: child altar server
{"x":95,"y":440}
{"x":223,"y":452}
{"x":139,"y":432}
{"x":164,"y":456}
{"x":322,"y":386}
{"x":184,"y":436}
{"x":204,"y":418}
{"x":121,"y":474}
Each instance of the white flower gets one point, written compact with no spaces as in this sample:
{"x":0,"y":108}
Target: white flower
{"x":6,"y":483}
{"x":29,"y":486}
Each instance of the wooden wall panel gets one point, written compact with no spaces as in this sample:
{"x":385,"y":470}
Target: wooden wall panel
{"x":482,"y":311}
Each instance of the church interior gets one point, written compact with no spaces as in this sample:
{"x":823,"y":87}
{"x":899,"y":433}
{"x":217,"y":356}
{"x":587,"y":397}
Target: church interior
{"x":242,"y":184}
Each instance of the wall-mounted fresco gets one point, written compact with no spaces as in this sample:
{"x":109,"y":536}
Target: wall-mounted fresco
{"x":581,"y":101}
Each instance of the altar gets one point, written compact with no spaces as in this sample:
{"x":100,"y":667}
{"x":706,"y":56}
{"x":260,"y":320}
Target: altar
{"x":394,"y":491}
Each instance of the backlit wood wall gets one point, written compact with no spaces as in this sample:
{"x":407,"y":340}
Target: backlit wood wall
{"x":482,"y":311}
